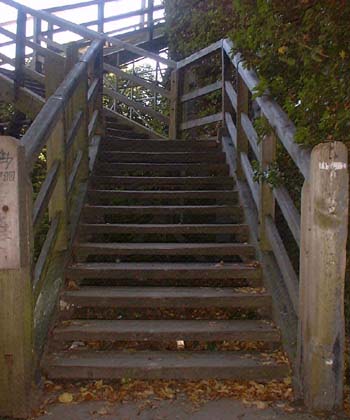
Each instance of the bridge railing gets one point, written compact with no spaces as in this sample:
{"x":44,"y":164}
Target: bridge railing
{"x":39,"y":234}
{"x":31,"y":103}
{"x":300,"y":237}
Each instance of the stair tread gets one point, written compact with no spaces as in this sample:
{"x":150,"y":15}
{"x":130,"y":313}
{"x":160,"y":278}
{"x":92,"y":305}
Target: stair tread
{"x":164,"y":270}
{"x":164,"y":365}
{"x":153,"y":248}
{"x":165,"y":296}
{"x":134,"y":330}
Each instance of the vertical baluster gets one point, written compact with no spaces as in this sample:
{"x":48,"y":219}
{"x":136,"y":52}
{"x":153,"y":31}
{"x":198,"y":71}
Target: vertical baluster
{"x":242,"y":107}
{"x":150,"y":21}
{"x":267,"y":200}
{"x":176,"y":78}
{"x":20,"y":50}
{"x":101,"y":15}
{"x":36,"y":38}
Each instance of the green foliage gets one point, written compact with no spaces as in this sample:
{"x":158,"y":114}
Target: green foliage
{"x":272,"y":175}
{"x":300,"y":52}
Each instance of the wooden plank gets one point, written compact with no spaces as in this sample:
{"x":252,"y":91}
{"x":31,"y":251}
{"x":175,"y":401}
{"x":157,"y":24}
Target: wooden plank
{"x":210,"y":119}
{"x":218,"y":195}
{"x":176,"y":86}
{"x":201,"y":91}
{"x":250,"y":133}
{"x":93,"y":124}
{"x":231,"y":128}
{"x":93,"y":90}
{"x":169,"y":271}
{"x":45,"y":193}
{"x":168,"y":330}
{"x":170,"y":297}
{"x":74,"y":173}
{"x":138,"y":81}
{"x":231,"y":93}
{"x":136,"y":105}
{"x":158,"y":169}
{"x":325,"y":203}
{"x":242,"y":141}
{"x":73,"y":131}
{"x":207,"y":249}
{"x":228,"y":210}
{"x":289,"y":211}
{"x":164,"y":228}
{"x":20,"y":49}
{"x":284,"y":263}
{"x":200,"y":54}
{"x":162,"y":157}
{"x":16,"y":317}
{"x":44,"y":257}
{"x":267,"y":156}
{"x":186,"y":182}
{"x":166,"y":365}
{"x":249,"y":176}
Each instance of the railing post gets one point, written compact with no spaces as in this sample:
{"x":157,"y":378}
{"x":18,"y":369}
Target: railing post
{"x":150,"y":22}
{"x":174,"y":105}
{"x":324,"y":229}
{"x":226,"y":104}
{"x":56,"y":150}
{"x":101,"y":15}
{"x":36,"y":38}
{"x":20,"y":50}
{"x":242,"y":107}
{"x":16,"y":309}
{"x":267,"y":200}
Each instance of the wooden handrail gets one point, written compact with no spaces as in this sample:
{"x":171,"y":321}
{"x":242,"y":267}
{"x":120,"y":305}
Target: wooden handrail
{"x":42,"y":127}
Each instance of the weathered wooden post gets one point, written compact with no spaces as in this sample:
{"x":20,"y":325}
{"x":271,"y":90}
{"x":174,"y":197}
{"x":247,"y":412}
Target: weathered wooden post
{"x":20,"y":50}
{"x":16,"y":319}
{"x":174,"y":105}
{"x":324,"y":229}
{"x":267,"y":200}
{"x":242,"y":107}
{"x":101,"y":15}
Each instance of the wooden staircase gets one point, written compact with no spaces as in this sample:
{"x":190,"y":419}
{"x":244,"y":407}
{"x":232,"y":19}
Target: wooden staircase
{"x":163,"y":283}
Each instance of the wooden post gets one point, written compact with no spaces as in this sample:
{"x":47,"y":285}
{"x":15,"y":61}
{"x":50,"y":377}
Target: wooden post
{"x":56,"y":150}
{"x":324,"y":229}
{"x":36,"y":65}
{"x":150,"y":22}
{"x":174,"y":105}
{"x":242,"y":107}
{"x":16,"y":309}
{"x":226,"y":103}
{"x":267,"y":200}
{"x":101,"y":15}
{"x":20,"y":50}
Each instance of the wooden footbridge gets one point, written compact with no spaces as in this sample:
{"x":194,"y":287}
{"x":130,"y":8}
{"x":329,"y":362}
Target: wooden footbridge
{"x":147,"y":255}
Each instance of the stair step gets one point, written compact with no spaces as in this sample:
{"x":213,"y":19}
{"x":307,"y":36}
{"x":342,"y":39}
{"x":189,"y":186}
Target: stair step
{"x":165,"y":297}
{"x":162,"y":168}
{"x":110,"y":143}
{"x":223,"y":195}
{"x":164,"y":365}
{"x":185,"y":182}
{"x":164,"y":229}
{"x":159,"y":330}
{"x":152,"y":249}
{"x":162,"y":210}
{"x":158,"y":157}
{"x":127,"y":133}
{"x":169,"y":271}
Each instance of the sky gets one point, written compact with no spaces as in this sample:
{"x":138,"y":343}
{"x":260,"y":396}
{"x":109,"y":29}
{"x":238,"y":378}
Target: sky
{"x":76,"y":15}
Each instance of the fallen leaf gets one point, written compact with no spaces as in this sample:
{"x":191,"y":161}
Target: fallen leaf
{"x":65,"y":398}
